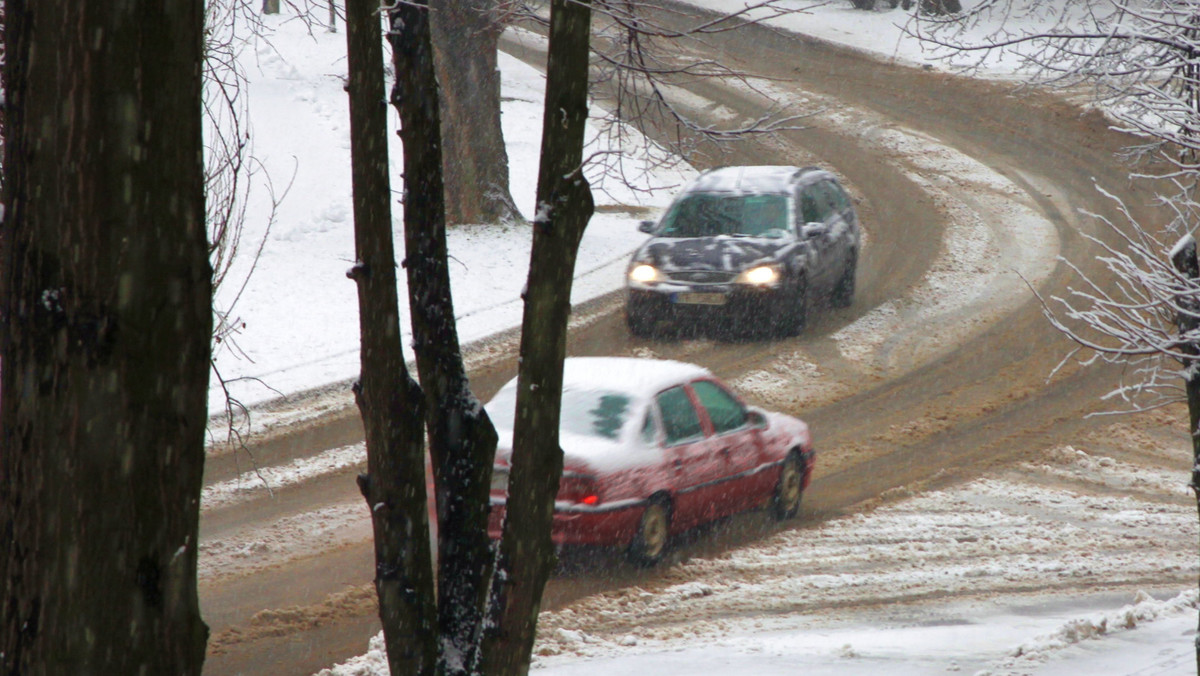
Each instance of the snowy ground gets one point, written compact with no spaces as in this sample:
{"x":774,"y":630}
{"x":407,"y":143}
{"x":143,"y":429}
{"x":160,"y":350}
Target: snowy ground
{"x":982,"y":578}
{"x":958,"y":580}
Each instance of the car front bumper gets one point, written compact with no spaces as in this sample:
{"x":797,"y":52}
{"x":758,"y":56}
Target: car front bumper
{"x":726,"y":306}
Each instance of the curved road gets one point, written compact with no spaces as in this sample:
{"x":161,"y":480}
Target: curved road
{"x":898,"y":419}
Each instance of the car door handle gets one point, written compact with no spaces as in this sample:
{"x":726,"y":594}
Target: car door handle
{"x":678,"y":463}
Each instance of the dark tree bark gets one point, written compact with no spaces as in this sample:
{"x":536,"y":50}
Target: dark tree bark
{"x":3,"y":134}
{"x":466,"y":35}
{"x":462,"y":439}
{"x":105,"y":297}
{"x":564,"y":207}
{"x":389,"y":400}
{"x":1186,"y":263}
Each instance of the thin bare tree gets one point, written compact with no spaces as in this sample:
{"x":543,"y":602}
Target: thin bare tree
{"x":1140,"y":61}
{"x":473,"y":577}
{"x":564,"y":198}
{"x":641,"y":53}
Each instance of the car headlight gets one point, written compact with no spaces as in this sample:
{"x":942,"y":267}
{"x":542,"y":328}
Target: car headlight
{"x":643,"y":273}
{"x":762,"y":275}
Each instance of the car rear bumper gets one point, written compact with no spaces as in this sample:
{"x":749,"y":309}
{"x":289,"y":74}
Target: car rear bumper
{"x":574,"y":524}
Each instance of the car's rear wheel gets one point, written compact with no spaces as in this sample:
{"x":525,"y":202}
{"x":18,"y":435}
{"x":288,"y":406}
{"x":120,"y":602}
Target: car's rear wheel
{"x":650,"y":542}
{"x":843,"y":292}
{"x":793,"y":316}
{"x":785,"y":503}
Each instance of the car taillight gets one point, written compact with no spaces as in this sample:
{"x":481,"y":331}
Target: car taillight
{"x":578,"y":488}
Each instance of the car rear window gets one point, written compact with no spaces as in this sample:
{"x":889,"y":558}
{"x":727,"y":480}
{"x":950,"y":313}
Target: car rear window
{"x":593,"y":413}
{"x":711,"y":214}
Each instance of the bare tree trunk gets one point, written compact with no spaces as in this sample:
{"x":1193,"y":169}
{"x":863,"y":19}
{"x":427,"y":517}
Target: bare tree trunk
{"x":3,"y":132}
{"x":1192,"y":385}
{"x":389,"y":400}
{"x":564,"y":208}
{"x":466,"y":34}
{"x":1184,"y":260}
{"x":463,"y":441}
{"x":1186,"y":263}
{"x":106,"y":303}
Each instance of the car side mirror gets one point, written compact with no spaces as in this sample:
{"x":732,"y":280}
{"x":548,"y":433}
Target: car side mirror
{"x":646,"y":227}
{"x":814,"y":229}
{"x":756,"y":419}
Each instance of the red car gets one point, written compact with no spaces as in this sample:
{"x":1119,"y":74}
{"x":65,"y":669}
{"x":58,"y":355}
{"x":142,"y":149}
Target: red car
{"x":654,"y":447}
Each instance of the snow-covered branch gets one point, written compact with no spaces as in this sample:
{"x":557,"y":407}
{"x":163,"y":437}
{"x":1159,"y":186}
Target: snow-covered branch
{"x":1140,"y":59}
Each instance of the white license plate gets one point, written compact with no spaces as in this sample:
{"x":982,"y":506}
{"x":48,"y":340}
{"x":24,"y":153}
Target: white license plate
{"x":693,"y":298}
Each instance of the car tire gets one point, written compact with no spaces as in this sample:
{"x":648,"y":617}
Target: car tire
{"x":843,"y":292}
{"x":650,"y":541}
{"x":793,"y":316}
{"x":785,"y":501}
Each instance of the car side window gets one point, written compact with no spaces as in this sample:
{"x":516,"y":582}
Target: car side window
{"x":810,"y":209}
{"x":832,"y":199}
{"x":838,"y":196}
{"x":724,"y":410}
{"x":824,"y":200}
{"x":679,"y":419}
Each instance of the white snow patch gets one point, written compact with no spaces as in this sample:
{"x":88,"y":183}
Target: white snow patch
{"x":1068,"y":462}
{"x":260,"y":482}
{"x":285,"y":539}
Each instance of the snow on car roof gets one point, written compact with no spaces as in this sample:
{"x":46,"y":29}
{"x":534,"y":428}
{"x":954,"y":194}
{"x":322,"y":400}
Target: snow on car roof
{"x":777,"y":179}
{"x":639,"y":378}
{"x":628,"y":374}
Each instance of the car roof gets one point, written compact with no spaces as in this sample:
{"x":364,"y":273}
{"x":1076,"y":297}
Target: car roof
{"x":628,"y":374}
{"x":750,"y":179}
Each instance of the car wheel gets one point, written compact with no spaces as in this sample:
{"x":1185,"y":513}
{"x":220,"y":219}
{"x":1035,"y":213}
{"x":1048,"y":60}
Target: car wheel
{"x":650,"y":542}
{"x":785,"y":503}
{"x":793,"y":316}
{"x":843,"y":293}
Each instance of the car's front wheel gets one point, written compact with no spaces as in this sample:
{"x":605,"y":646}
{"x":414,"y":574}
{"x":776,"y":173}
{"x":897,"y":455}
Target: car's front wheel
{"x":785,"y":503}
{"x":650,"y":542}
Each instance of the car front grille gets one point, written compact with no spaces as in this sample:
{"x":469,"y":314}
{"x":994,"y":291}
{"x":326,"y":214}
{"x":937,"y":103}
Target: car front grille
{"x":701,"y":276}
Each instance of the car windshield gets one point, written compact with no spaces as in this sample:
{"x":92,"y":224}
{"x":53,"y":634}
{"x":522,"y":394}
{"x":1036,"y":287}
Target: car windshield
{"x":593,"y":413}
{"x":709,"y":214}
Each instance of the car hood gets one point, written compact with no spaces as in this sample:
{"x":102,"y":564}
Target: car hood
{"x":721,"y":253}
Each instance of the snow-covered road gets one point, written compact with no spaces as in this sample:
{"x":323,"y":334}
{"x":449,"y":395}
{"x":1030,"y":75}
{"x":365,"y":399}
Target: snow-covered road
{"x":992,"y":576}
